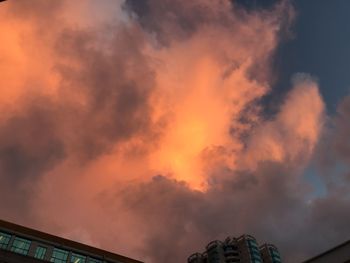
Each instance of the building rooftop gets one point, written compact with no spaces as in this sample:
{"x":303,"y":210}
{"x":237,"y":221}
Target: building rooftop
{"x":330,"y":251}
{"x":60,"y":242}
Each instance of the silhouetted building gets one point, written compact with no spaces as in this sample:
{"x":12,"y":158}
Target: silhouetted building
{"x":197,"y":258}
{"x":243,"y":249}
{"x":340,"y":253}
{"x":269,"y":254}
{"x":248,"y":249}
{"x":19,"y":244}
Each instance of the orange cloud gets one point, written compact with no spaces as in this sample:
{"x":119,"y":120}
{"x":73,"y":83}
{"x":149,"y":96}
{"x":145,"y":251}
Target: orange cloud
{"x":125,"y":100}
{"x":293,"y":134}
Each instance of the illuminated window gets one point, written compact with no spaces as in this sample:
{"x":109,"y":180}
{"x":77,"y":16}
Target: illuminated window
{"x":4,"y":240}
{"x":59,"y":256}
{"x":76,"y":258}
{"x":21,"y":246}
{"x":40,"y":252}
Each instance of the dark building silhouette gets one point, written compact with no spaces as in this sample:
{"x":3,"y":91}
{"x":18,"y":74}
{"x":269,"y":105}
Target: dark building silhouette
{"x":19,"y":244}
{"x":340,"y":253}
{"x":243,"y":249}
{"x":269,"y":253}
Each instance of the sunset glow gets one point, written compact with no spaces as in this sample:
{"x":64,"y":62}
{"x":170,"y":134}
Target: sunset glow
{"x":130,"y":124}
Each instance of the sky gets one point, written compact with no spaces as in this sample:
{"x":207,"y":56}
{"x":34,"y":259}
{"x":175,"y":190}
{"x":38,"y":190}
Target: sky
{"x":150,"y":128}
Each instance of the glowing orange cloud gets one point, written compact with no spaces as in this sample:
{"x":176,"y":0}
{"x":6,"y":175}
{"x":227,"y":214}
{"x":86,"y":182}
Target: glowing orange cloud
{"x":202,"y":85}
{"x":126,"y":106}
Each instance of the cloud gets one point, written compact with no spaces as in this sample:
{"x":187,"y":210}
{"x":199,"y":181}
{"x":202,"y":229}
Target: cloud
{"x":294,"y":132}
{"x":341,"y":144}
{"x":260,"y":197}
{"x":178,"y":19}
{"x":113,"y":89}
{"x":148,"y":131}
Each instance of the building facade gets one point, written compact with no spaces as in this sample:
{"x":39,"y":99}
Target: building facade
{"x":19,"y":244}
{"x":269,"y":253}
{"x":243,"y":249}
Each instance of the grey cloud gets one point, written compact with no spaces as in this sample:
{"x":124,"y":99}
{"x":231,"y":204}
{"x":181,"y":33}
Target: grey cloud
{"x":30,"y":145}
{"x":330,"y":212}
{"x":270,"y":204}
{"x":342,"y":124}
{"x":117,"y":86}
{"x":170,"y":20}
{"x":177,"y":19}
{"x":261,"y":204}
{"x":333,"y":154}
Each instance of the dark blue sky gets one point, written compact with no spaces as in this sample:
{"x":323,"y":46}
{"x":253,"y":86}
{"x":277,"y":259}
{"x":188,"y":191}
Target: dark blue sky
{"x":320,"y":47}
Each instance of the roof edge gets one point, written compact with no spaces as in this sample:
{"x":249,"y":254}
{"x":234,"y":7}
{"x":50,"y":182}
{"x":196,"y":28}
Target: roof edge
{"x":63,"y":241}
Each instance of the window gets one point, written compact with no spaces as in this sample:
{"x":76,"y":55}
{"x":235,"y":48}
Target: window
{"x":40,"y":252}
{"x":256,"y":257}
{"x":252,"y":243}
{"x":4,"y":240}
{"x":21,"y":246}
{"x":253,"y":249}
{"x":59,"y":256}
{"x":275,"y":253}
{"x":92,"y":260}
{"x":255,"y":253}
{"x":76,"y":258}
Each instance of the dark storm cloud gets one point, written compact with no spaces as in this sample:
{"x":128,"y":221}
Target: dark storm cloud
{"x":169,"y":20}
{"x":260,"y":204}
{"x":30,"y":146}
{"x":333,"y":157}
{"x":116,"y":86}
{"x":326,"y":224}
{"x":255,"y":4}
{"x":269,"y":204}
{"x":29,"y":143}
{"x":168,"y":208}
{"x":177,"y":19}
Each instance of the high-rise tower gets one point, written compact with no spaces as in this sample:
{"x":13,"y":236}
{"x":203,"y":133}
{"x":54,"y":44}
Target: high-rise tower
{"x":243,"y":249}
